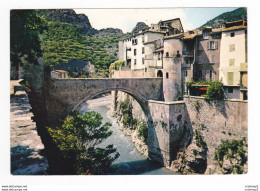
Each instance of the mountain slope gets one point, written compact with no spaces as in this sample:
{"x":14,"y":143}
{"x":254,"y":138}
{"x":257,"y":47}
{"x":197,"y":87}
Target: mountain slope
{"x":237,"y":14}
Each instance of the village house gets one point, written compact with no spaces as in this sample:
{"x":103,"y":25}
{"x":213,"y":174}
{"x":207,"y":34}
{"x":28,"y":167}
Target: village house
{"x":207,"y":54}
{"x":233,"y":59}
{"x":139,"y":51}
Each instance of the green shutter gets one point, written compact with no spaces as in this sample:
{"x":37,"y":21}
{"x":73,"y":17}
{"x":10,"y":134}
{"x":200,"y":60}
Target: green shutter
{"x":230,"y":77}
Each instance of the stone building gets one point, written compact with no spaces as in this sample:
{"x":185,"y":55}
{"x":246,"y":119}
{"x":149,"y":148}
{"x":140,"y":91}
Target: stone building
{"x":140,"y":50}
{"x":208,"y":54}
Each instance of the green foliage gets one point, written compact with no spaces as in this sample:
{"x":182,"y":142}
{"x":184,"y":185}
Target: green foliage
{"x":25,"y":30}
{"x":235,"y":152}
{"x":62,"y":42}
{"x":237,"y":14}
{"x":200,"y":141}
{"x":116,"y":65}
{"x":125,"y":108}
{"x":143,"y":130}
{"x":215,"y":91}
{"x":77,"y":139}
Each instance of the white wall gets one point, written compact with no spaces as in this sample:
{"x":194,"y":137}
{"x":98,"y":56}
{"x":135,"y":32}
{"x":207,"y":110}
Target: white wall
{"x":225,"y":55}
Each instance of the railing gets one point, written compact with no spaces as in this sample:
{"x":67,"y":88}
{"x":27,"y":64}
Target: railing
{"x":187,"y":53}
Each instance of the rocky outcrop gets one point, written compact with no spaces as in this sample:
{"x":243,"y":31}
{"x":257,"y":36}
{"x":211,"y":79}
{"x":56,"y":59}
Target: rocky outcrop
{"x":26,"y":146}
{"x":80,"y":21}
{"x":139,"y":26}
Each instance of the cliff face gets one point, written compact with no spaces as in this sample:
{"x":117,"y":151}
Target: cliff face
{"x":80,"y":21}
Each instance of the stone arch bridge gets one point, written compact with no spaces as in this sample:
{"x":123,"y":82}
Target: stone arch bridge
{"x":164,"y":128}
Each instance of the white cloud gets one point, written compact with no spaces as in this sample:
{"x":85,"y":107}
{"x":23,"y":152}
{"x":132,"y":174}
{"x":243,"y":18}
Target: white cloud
{"x":126,"y":19}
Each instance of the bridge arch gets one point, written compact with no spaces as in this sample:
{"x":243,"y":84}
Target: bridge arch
{"x":139,"y":98}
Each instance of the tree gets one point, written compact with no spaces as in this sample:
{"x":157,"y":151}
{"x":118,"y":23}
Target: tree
{"x":25,"y":29}
{"x":77,"y":139}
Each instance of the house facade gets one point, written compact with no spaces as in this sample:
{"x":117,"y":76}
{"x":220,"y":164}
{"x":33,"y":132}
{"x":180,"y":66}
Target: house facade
{"x":233,"y":59}
{"x":164,"y":50}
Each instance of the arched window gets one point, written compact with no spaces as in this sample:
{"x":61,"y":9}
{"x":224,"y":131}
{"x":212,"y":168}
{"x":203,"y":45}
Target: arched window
{"x":159,"y":74}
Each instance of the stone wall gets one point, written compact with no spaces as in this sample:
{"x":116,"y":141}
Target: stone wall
{"x":128,"y":73}
{"x":26,"y":144}
{"x":169,"y":132}
{"x":217,"y":120}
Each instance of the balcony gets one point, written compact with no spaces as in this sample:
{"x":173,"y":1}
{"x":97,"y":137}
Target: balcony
{"x":187,"y":54}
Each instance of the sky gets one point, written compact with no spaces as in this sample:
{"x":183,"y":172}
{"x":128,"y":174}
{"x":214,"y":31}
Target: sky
{"x":126,"y":19}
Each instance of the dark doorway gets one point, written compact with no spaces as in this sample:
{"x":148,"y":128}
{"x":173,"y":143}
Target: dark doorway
{"x":159,"y":74}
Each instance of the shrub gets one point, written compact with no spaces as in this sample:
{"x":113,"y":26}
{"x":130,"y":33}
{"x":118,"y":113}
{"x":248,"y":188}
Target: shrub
{"x":125,"y":108}
{"x":235,"y":152}
{"x":215,"y":91}
{"x":143,"y":130}
{"x":116,"y":65}
{"x":77,"y":139}
{"x":200,"y":141}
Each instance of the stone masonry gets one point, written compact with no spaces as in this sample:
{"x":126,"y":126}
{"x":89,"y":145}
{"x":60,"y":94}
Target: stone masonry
{"x":25,"y":144}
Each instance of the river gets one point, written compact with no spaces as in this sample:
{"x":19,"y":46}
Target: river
{"x":130,"y":161}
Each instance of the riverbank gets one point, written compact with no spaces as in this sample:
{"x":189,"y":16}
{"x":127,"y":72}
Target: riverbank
{"x":130,"y":161}
{"x":25,"y":144}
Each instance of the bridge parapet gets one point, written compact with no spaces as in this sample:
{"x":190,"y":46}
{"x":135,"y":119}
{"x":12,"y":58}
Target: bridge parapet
{"x":65,"y":95}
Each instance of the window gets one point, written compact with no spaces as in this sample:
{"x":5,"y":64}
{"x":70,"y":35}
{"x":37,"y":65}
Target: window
{"x":167,"y":54}
{"x":145,"y":70}
{"x":212,"y":59}
{"x":212,"y":45}
{"x":185,"y":73}
{"x":159,"y":57}
{"x":207,"y":75}
{"x":167,"y":75}
{"x":205,"y":34}
{"x":231,"y":48}
{"x":230,"y":78}
{"x":230,"y":90}
{"x":143,"y":60}
{"x":232,"y":34}
{"x":231,"y":62}
{"x":142,"y":39}
{"x":134,"y":52}
{"x":134,"y":61}
{"x":142,"y":50}
{"x":134,"y":41}
{"x":213,"y":74}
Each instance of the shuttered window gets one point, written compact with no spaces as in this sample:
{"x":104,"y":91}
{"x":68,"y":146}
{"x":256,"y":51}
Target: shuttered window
{"x":231,"y":62}
{"x":231,"y":48}
{"x":230,"y":78}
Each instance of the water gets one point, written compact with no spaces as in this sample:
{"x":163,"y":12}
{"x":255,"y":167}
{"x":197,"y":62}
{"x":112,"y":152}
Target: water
{"x":130,"y":161}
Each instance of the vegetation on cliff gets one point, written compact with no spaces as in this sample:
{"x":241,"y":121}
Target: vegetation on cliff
{"x":63,"y":43}
{"x":237,"y":14}
{"x":78,"y":138}
{"x":125,"y":108}
{"x":231,"y":156}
